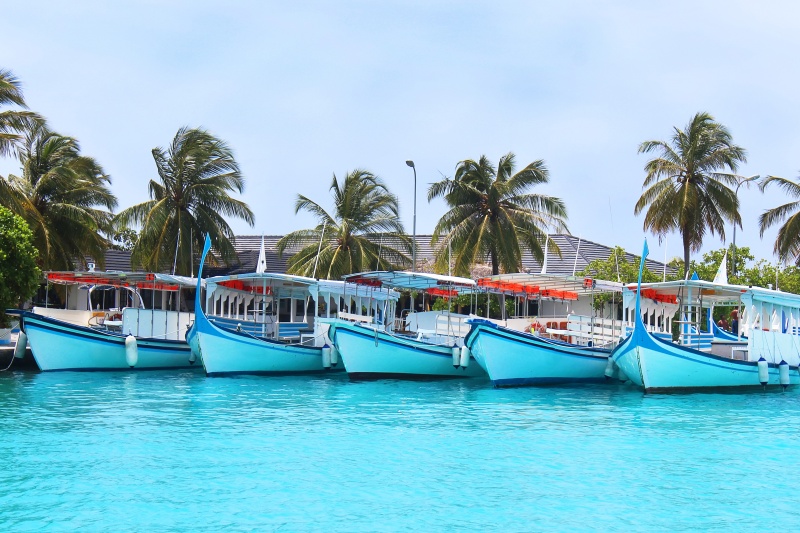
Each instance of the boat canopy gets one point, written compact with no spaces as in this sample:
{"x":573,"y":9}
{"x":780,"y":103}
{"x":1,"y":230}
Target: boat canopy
{"x":140,"y":280}
{"x":547,"y":285}
{"x":288,"y":284}
{"x":691,"y":292}
{"x":434,"y":284}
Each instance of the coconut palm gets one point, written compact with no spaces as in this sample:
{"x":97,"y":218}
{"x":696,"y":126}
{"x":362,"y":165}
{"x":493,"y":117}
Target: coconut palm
{"x":685,"y":188}
{"x":787,"y":242}
{"x":63,"y":196}
{"x":362,"y":233}
{"x":492,"y":215}
{"x":188,"y":201}
{"x":13,"y":123}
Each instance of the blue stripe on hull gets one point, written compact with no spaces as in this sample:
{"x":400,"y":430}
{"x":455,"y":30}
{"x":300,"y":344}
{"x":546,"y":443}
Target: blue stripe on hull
{"x":521,"y":382}
{"x":390,"y":357}
{"x":61,"y":346}
{"x":513,"y":358}
{"x":227,"y":352}
{"x":660,"y":366}
{"x":134,"y":369}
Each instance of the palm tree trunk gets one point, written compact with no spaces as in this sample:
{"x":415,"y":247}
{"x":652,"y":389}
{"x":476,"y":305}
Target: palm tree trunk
{"x":495,"y":266}
{"x":686,"y":249}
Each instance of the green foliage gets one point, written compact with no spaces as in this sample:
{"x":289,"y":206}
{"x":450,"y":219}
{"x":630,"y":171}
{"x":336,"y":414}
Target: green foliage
{"x":787,"y":242}
{"x":13,"y":123}
{"x":708,"y":267}
{"x":463,"y":304}
{"x":492,"y":215}
{"x":124,"y":239}
{"x":618,"y":268}
{"x":363,"y":233}
{"x":63,"y":196}
{"x":19,"y":275}
{"x":189,"y":200}
{"x":685,"y":188}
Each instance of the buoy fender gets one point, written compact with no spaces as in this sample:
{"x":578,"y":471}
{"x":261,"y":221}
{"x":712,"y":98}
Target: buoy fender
{"x":326,"y":357}
{"x":334,"y":355}
{"x":763,"y":371}
{"x":131,"y":351}
{"x":609,"y":372}
{"x":783,"y":373}
{"x":21,"y":346}
{"x":466,"y":353}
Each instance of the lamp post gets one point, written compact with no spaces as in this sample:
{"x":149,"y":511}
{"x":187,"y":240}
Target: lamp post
{"x":414,"y":241}
{"x":741,"y":180}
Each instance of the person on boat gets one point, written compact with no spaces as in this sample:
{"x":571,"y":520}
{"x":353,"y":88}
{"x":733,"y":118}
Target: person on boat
{"x":723,"y":324}
{"x":735,"y":321}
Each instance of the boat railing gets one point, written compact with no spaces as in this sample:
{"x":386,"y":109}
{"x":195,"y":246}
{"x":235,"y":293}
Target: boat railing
{"x":451,"y":326}
{"x":581,"y":329}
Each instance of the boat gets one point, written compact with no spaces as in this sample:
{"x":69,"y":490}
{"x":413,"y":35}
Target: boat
{"x":564,"y":342}
{"x":112,"y":321}
{"x":765,"y":353}
{"x":416,"y":346}
{"x":269,"y":323}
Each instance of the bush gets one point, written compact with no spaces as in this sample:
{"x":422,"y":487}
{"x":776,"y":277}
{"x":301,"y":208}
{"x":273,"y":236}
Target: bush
{"x":19,"y":275}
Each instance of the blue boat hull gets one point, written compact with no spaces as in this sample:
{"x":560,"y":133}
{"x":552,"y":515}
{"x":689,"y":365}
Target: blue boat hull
{"x":227,"y":352}
{"x":370,"y":354}
{"x":513,"y":358}
{"x":58,"y":345}
{"x":660,"y":366}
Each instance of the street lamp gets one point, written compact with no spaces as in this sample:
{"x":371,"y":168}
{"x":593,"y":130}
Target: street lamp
{"x":414,"y":241}
{"x":741,"y":180}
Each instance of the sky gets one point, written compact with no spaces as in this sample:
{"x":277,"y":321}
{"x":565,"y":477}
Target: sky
{"x":305,"y":89}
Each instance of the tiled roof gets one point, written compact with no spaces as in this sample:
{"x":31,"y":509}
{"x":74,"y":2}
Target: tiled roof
{"x":248,"y":246}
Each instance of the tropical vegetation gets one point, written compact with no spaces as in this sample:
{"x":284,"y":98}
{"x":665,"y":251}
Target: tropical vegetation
{"x":189,"y":199}
{"x":363,"y":232}
{"x":65,"y":198}
{"x":787,"y":242}
{"x":493,"y":216}
{"x":13,"y":122}
{"x":685,"y":187}
{"x":19,"y":275}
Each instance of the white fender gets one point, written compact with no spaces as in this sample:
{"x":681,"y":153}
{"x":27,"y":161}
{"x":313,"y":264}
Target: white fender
{"x":465,"y":355}
{"x":22,"y":344}
{"x":334,"y":355}
{"x":763,"y":371}
{"x":609,"y":373}
{"x":456,"y":356}
{"x":783,"y":372}
{"x":326,"y":357}
{"x":131,"y":351}
{"x":192,"y":357}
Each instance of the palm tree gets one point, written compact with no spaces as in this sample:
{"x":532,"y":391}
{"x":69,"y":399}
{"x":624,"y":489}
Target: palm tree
{"x":63,"y":196}
{"x":787,"y":243}
{"x":685,"y":188}
{"x":363,"y":233}
{"x":492,"y":215}
{"x":13,"y":123}
{"x":187,"y":202}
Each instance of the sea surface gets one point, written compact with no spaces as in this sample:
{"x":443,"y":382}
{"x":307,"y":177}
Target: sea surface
{"x":167,"y":451}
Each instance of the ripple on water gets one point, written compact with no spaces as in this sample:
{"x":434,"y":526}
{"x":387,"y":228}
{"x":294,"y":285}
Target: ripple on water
{"x":181,"y":452}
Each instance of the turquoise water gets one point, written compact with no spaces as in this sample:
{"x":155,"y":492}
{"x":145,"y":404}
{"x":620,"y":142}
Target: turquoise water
{"x":181,"y":452}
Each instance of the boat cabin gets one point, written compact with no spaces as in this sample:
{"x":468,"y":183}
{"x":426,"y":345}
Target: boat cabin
{"x":287,"y":308}
{"x":138,"y":303}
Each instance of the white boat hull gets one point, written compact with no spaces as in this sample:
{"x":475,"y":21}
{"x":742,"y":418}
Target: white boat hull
{"x":660,"y":366}
{"x":58,"y":345}
{"x":371,"y":354}
{"x":513,"y":358}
